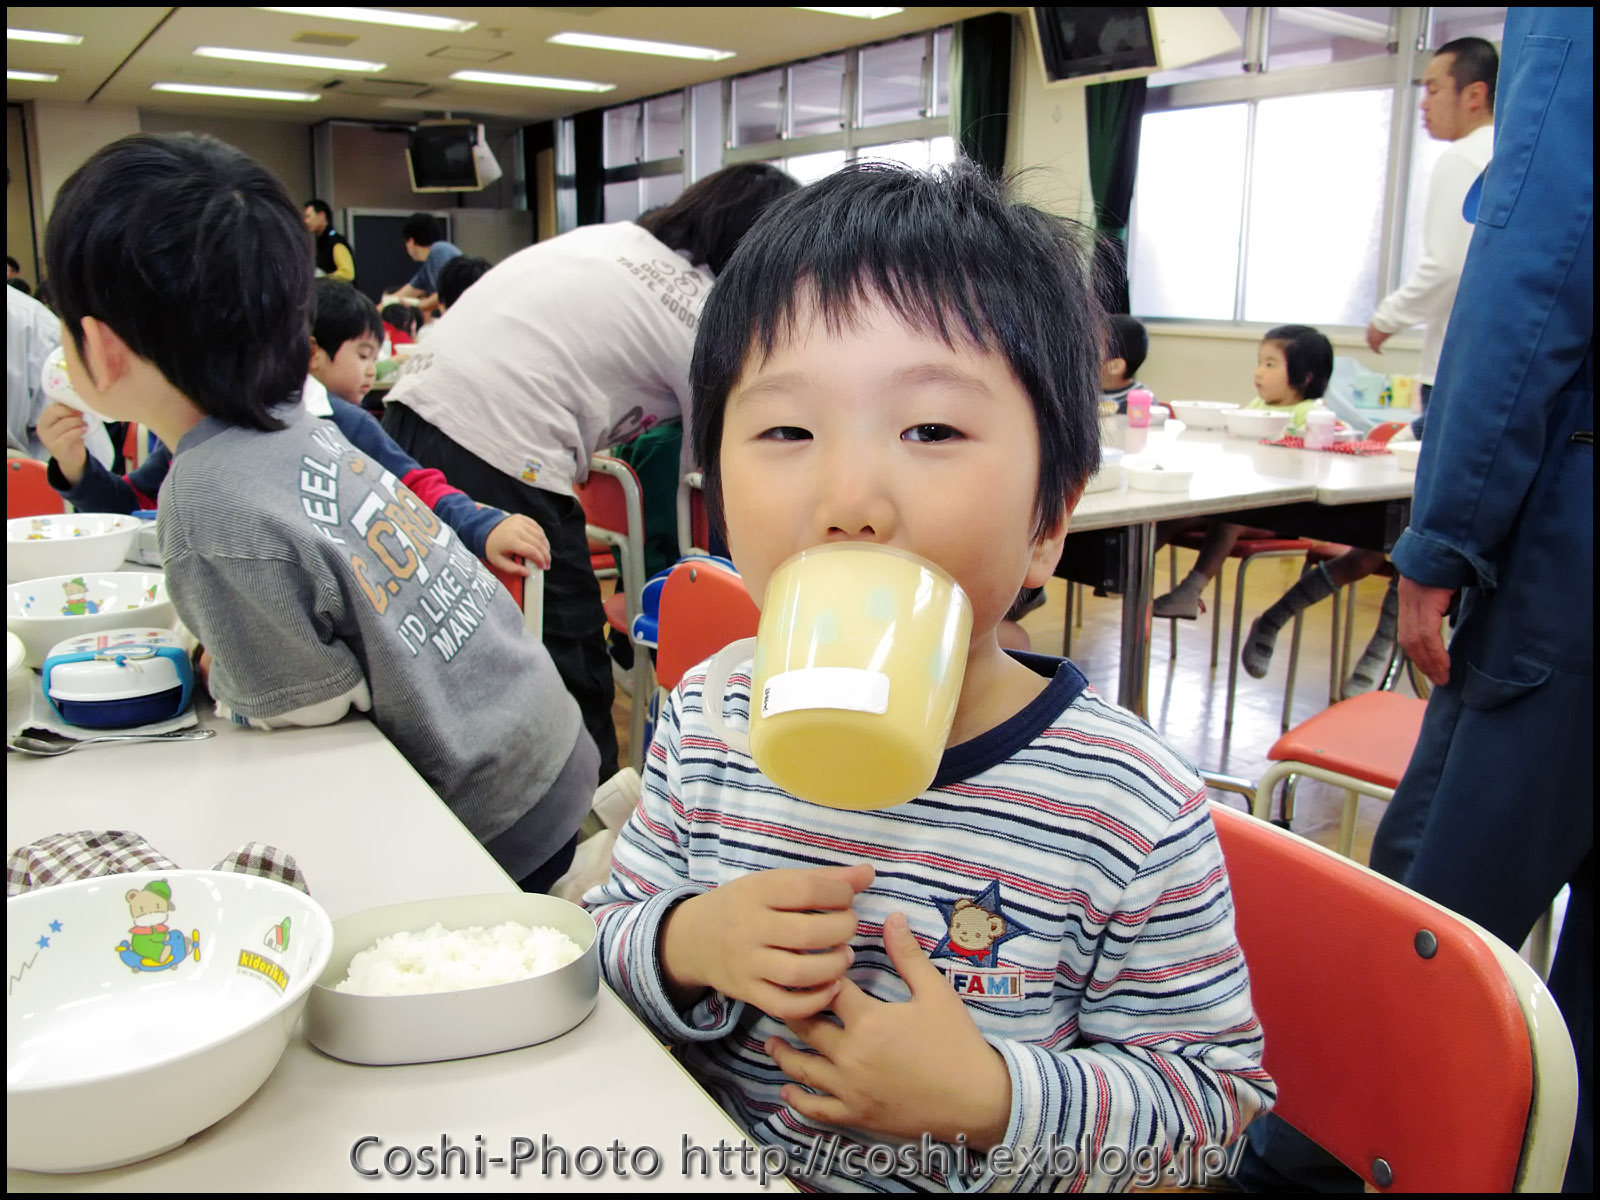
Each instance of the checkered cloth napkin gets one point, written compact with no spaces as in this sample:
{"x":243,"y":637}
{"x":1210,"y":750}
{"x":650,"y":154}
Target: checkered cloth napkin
{"x":89,"y":854}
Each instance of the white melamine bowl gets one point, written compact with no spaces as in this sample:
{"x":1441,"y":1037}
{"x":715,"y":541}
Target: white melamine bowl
{"x":39,"y":611}
{"x":1257,"y":423}
{"x":1201,"y":414}
{"x":19,"y":686}
{"x":385,"y":1030}
{"x":1149,"y":474}
{"x":67,"y":544}
{"x":1406,"y":454}
{"x":137,"y":1019}
{"x":1109,"y":477}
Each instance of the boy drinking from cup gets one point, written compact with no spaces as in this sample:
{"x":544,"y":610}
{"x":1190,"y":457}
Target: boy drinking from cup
{"x":1037,"y":952}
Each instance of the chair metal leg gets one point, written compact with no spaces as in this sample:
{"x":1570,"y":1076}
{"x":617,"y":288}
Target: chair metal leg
{"x":1233,"y":651}
{"x":1347,"y":825}
{"x":1066,"y":637}
{"x":1294,"y":670}
{"x":1349,"y":635}
{"x":643,"y":685}
{"x":1334,"y":676}
{"x":1289,"y":788}
{"x":1172,"y":583}
{"x":1216,"y":616}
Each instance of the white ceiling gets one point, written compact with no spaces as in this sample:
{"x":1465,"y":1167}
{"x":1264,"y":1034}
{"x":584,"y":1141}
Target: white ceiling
{"x":125,"y":50}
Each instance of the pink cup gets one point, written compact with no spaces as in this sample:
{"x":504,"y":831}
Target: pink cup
{"x":1139,"y":401}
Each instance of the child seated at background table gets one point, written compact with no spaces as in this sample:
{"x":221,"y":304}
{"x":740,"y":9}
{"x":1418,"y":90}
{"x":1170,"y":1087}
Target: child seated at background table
{"x":314,"y":578}
{"x":849,"y":386}
{"x":1127,"y":345}
{"x":344,"y":346}
{"x":1293,"y":365}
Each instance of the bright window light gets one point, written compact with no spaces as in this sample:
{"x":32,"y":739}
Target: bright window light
{"x":241,"y":93}
{"x":31,"y":76}
{"x":595,"y":41}
{"x":40,"y":35}
{"x":382,"y":16}
{"x":314,"y":61}
{"x":531,"y":81}
{"x":866,"y":14}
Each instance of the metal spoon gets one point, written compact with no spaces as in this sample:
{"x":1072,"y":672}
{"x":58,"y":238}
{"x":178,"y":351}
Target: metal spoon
{"x":31,"y":745}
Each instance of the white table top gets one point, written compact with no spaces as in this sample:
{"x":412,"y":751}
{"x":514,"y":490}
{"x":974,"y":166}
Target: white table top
{"x":367,"y":831}
{"x":1231,"y":474}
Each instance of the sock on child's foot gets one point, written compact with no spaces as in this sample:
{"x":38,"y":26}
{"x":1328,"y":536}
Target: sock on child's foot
{"x":1184,"y":600}
{"x":1375,"y":659}
{"x":1313,"y":588}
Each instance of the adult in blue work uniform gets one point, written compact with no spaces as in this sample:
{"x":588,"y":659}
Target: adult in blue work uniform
{"x":1496,"y":811}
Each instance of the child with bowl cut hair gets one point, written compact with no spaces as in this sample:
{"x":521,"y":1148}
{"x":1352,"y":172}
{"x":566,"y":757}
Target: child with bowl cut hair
{"x":317,"y":581}
{"x":910,"y":360}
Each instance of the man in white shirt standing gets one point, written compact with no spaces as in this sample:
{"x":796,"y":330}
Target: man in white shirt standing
{"x":1458,"y":107}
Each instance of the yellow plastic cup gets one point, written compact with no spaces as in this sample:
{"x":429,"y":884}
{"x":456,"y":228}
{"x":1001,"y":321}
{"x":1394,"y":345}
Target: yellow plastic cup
{"x":858,"y":663}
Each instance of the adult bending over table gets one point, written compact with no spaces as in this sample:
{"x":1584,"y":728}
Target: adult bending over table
{"x":565,"y":348}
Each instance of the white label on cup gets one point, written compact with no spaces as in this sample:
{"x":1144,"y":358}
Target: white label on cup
{"x":826,"y":687}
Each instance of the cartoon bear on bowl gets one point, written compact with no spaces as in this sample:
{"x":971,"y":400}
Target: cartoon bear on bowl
{"x":151,"y":945}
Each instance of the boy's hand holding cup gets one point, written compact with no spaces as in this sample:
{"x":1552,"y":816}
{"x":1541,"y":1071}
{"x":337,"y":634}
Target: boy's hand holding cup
{"x":62,"y":430}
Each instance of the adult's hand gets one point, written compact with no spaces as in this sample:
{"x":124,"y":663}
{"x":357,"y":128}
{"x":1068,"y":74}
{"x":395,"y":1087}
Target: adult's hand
{"x":1422,"y":611}
{"x":1376,"y":338}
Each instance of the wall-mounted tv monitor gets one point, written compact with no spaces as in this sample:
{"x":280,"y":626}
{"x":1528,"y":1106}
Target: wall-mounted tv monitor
{"x":450,"y":156}
{"x":1077,"y":42}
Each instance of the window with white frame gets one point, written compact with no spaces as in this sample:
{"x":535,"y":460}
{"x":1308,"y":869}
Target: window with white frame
{"x":1285,"y":180}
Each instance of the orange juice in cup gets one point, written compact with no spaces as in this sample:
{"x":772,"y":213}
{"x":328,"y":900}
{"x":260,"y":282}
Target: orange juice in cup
{"x":857,"y":672}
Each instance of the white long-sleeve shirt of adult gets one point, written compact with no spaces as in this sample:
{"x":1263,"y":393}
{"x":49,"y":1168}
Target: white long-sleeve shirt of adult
{"x":32,"y":332}
{"x":1426,"y":297}
{"x":565,"y":348}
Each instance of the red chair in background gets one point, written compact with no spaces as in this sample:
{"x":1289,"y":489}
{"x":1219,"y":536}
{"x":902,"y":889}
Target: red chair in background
{"x":528,"y":594}
{"x":613,"y":506}
{"x":28,"y":491}
{"x":704,"y":607}
{"x":1408,"y":1042}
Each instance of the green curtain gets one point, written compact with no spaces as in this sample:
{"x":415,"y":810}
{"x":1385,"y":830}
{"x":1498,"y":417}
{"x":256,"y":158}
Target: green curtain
{"x":983,"y":89}
{"x":1114,"y":112}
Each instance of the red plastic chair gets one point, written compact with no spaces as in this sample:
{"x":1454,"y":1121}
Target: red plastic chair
{"x":704,"y":607}
{"x":1412,"y":1045}
{"x":613,"y":506}
{"x":1362,"y":745}
{"x":28,"y":491}
{"x":528,"y":594}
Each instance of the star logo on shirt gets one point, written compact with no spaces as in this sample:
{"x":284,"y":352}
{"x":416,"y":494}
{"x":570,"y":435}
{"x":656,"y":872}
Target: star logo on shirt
{"x":975,"y":929}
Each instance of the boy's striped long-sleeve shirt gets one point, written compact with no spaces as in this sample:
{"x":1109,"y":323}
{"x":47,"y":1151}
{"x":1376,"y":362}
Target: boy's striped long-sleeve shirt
{"x":1102,"y":963}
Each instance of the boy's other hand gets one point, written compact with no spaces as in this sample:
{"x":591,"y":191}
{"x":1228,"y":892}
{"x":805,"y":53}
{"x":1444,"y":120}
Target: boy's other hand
{"x":887,"y":1068}
{"x":779,"y":939}
{"x":514,"y":539}
{"x":62,"y":430}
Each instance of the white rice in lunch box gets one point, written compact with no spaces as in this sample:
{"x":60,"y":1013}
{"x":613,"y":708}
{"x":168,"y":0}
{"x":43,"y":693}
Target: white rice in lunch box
{"x":446,"y":960}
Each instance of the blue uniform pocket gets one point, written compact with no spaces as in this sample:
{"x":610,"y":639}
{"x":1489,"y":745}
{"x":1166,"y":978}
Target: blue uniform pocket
{"x":1538,"y":71}
{"x":1483,"y":691}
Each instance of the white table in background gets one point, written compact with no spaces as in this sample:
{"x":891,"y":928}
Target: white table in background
{"x":367,"y":831}
{"x":1231,"y":475}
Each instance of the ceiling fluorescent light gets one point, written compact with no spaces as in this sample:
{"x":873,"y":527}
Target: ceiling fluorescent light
{"x":314,"y":61}
{"x":1328,"y":20}
{"x":531,"y":81}
{"x":595,"y":41}
{"x":868,"y":14}
{"x":383,"y":16}
{"x":40,"y":35}
{"x":240,"y":93}
{"x":30,"y":76}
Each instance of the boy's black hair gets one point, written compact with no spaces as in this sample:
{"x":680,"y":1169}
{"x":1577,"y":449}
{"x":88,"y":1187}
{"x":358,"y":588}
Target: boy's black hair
{"x":710,"y":219}
{"x":1476,"y":61}
{"x":954,"y":258}
{"x":340,"y":314}
{"x":457,"y":275}
{"x":402,"y":316}
{"x":319,"y":206}
{"x":13,"y":263}
{"x":422,"y":229}
{"x":1126,"y":339}
{"x":194,"y":255}
{"x":1307,"y":358}
{"x":21,"y":284}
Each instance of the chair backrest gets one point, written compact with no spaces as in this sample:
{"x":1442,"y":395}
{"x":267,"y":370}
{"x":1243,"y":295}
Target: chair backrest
{"x":613,"y":508}
{"x":704,"y":606}
{"x":28,"y":490}
{"x":694,"y":525}
{"x":1412,"y":1045}
{"x":528,"y":594}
